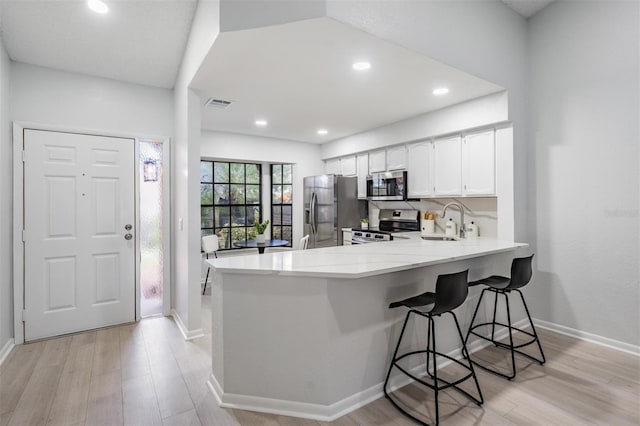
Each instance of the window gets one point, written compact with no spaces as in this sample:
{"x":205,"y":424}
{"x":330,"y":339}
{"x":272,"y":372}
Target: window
{"x":281,"y":199}
{"x":229,"y":200}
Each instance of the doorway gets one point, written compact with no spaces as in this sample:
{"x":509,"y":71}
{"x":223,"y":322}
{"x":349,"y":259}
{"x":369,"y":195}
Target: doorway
{"x":89,"y":235}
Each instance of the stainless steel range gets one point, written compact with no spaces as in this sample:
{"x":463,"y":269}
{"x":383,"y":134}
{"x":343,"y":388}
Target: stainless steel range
{"x":391,"y":222}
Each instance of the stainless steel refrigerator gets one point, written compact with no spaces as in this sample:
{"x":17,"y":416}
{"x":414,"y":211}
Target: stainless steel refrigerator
{"x":330,"y":204}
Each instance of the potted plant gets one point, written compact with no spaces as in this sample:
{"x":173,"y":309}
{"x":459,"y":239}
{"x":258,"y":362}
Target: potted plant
{"x":364,"y":223}
{"x":260,"y":228}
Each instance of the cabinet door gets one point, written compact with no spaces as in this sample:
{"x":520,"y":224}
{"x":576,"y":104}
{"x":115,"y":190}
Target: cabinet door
{"x":419,"y":169}
{"x":348,"y":165}
{"x":478,"y":164}
{"x":447,"y":160}
{"x":378,"y":161}
{"x":363,"y":171}
{"x":332,"y":167}
{"x":397,"y":158}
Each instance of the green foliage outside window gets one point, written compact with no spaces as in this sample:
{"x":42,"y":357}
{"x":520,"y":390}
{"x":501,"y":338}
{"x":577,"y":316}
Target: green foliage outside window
{"x":229,"y":200}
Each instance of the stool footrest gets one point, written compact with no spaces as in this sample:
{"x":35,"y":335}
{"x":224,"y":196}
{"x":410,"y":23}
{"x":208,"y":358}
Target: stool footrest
{"x":504,"y":345}
{"x":434,"y":385}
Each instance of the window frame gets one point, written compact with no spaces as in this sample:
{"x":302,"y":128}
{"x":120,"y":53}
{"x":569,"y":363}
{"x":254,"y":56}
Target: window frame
{"x":281,"y":204}
{"x":226,"y":240}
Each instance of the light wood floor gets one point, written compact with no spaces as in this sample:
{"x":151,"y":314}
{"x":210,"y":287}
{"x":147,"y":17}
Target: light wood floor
{"x":146,"y":374}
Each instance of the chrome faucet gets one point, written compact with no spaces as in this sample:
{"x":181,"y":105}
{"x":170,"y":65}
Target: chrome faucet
{"x":463,"y":228}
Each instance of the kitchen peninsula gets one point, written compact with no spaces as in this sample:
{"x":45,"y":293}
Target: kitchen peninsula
{"x":308,"y":333}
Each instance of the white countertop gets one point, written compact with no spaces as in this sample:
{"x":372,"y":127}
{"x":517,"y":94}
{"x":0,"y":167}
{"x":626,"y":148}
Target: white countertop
{"x":362,"y":260}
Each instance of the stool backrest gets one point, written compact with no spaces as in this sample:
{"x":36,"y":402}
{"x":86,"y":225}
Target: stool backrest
{"x":521,"y":272}
{"x":451,"y":291}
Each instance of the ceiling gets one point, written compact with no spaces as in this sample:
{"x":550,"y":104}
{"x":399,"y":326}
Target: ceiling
{"x":299,"y":77}
{"x":138,"y":41}
{"x":527,"y":8}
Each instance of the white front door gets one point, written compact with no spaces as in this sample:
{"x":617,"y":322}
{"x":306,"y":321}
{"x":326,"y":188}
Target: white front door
{"x":78,"y":202}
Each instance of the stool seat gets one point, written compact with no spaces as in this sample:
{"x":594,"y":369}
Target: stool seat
{"x":451,"y":292}
{"x":427,"y":299}
{"x":495,"y":281}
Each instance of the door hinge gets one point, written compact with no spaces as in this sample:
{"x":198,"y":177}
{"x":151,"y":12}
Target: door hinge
{"x":24,"y":156}
{"x":24,"y":315}
{"x":23,"y":235}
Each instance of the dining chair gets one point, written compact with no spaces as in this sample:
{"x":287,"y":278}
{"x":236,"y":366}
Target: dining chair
{"x":304,"y":242}
{"x":210,"y":245}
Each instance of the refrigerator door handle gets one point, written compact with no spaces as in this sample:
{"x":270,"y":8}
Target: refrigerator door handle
{"x":312,"y":207}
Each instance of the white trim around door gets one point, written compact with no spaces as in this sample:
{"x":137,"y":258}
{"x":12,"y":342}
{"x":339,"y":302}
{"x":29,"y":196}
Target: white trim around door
{"x":18,"y":216}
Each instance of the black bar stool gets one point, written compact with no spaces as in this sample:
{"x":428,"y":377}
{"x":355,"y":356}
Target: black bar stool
{"x":521,"y":273}
{"x":451,"y":292}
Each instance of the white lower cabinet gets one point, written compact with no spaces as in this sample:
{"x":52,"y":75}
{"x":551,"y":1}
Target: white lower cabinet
{"x":419,"y":168}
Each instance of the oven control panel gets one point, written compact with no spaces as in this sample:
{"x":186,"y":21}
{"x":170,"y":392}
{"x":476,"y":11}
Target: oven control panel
{"x":363,"y":237}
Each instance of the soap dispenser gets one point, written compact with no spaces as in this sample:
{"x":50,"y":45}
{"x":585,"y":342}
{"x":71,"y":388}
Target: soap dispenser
{"x":450,"y":228}
{"x":472,"y":230}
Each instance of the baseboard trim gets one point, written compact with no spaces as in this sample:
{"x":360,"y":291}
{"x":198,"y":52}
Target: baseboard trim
{"x":6,"y":350}
{"x":589,"y":337}
{"x":186,"y":334}
{"x":329,"y":413}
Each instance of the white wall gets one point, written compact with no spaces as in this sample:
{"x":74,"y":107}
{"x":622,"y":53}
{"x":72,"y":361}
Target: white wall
{"x":305,"y":158}
{"x":60,"y":98}
{"x":484,"y":38}
{"x":585,"y":190}
{"x":466,"y":115}
{"x":6,"y":282}
{"x":186,"y":176}
{"x":76,"y":101}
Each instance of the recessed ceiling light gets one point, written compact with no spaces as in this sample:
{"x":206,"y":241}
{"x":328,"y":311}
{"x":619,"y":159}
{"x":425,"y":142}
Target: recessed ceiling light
{"x":98,"y":6}
{"x":322,"y":131}
{"x":361,"y":66}
{"x":261,"y":122}
{"x":440,"y":91}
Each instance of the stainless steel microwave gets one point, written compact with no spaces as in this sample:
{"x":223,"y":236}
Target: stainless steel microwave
{"x":387,"y":186}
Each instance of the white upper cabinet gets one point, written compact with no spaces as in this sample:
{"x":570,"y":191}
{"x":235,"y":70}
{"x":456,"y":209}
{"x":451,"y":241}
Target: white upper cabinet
{"x":363,"y":171}
{"x":478,"y":164}
{"x":332,"y":166}
{"x":419,"y":168}
{"x":348,"y":165}
{"x":378,"y":161}
{"x":447,"y":165}
{"x":397,"y":158}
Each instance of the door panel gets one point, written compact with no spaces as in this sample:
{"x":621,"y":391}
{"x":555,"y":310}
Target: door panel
{"x":79,"y":268}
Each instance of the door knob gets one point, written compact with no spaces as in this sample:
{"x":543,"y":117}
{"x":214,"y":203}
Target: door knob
{"x":128,"y":227}
{"x":128,"y":237}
